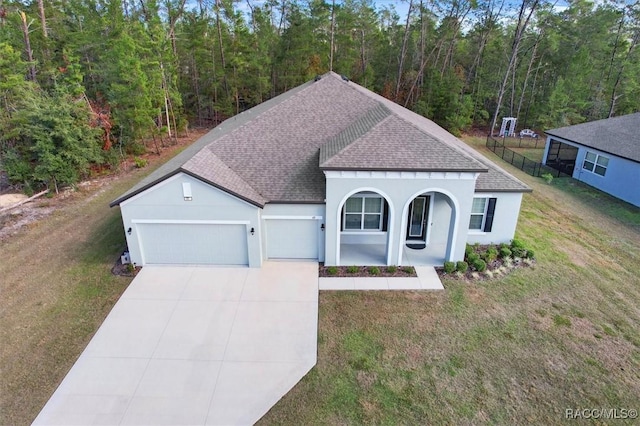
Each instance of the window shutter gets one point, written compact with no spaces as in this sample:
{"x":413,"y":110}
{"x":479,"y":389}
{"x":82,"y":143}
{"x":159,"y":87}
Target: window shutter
{"x":488,"y":223}
{"x":385,"y":215}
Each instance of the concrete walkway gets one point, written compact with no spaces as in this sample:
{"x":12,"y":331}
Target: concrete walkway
{"x":427,"y":279}
{"x":195,"y":346}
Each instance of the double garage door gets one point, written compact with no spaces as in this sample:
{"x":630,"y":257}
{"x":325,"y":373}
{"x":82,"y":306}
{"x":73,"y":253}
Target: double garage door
{"x":226,"y":244}
{"x":193,"y":243}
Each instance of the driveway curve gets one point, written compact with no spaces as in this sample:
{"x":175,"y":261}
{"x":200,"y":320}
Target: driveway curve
{"x":195,"y":346}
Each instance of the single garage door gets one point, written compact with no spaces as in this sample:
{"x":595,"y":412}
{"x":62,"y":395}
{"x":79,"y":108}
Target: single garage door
{"x":205,"y":244}
{"x":292,"y":238}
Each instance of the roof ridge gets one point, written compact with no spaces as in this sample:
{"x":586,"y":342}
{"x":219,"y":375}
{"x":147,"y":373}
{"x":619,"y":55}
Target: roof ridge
{"x":353,"y":132}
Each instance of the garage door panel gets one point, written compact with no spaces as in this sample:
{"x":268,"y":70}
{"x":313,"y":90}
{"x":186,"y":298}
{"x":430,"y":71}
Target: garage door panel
{"x":292,"y":238}
{"x":208,"y":244}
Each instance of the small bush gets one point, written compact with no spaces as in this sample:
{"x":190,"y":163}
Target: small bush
{"x":449,"y":267}
{"x":392,"y":269}
{"x":516,"y":244}
{"x":140,"y":162}
{"x":518,"y":252}
{"x":505,"y":252}
{"x":530,"y":254}
{"x":480,"y":265}
{"x":407,"y":269}
{"x":130,"y":268}
{"x":332,"y":270}
{"x":548,"y":177}
{"x":352,"y":269}
{"x":462,"y":267}
{"x":468,"y":249}
{"x":374,"y":270}
{"x":472,"y":258}
{"x":491,"y":254}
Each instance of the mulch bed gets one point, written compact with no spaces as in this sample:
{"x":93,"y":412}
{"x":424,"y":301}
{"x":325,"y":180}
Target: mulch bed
{"x":124,"y":270}
{"x":365,"y":271}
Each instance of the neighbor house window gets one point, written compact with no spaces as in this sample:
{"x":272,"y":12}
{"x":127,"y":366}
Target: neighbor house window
{"x":363,"y":213}
{"x":595,"y":163}
{"x":482,"y":212}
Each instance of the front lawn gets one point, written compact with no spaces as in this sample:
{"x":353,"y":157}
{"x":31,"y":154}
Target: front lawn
{"x":563,"y":334}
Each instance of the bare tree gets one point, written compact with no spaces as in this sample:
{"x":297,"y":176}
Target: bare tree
{"x":527,"y":9}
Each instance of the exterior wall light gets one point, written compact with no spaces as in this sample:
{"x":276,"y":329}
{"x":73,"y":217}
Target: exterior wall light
{"x":253,"y":231}
{"x":322,"y":227}
{"x":129,"y":231}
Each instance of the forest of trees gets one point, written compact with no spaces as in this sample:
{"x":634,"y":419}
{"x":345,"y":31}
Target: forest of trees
{"x":83,"y":82}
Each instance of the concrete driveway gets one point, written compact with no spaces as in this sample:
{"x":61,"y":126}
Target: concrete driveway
{"x":195,"y":346}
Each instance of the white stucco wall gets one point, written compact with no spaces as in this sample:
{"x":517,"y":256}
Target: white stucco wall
{"x":620,"y":180}
{"x":505,"y":219}
{"x":165,"y":201}
{"x":399,"y":188}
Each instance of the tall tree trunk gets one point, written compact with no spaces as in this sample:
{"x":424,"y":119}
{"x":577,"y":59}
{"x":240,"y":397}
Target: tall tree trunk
{"x":403,"y":51}
{"x":526,"y":80}
{"x":27,"y":46}
{"x":523,"y":21}
{"x":221,"y":47}
{"x":614,"y":95}
{"x":43,"y":19}
{"x":333,"y":29}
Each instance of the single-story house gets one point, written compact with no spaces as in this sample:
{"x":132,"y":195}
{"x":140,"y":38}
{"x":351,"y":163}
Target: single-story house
{"x":604,"y":154}
{"x":328,"y":171}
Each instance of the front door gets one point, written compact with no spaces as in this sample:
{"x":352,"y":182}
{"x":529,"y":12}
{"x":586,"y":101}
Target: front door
{"x":417,"y":221}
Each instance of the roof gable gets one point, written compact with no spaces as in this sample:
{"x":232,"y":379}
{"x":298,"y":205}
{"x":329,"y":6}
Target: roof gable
{"x":616,"y":135}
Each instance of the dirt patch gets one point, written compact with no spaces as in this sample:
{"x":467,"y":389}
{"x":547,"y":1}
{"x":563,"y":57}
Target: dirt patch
{"x":7,"y":200}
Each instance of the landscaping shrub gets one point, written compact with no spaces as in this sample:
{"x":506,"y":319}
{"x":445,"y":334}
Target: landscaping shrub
{"x":491,"y":254}
{"x":374,"y":270}
{"x":518,"y":252}
{"x":480,"y":265}
{"x":352,"y":269}
{"x":468,"y":249}
{"x":517,"y":244}
{"x":530,"y":254}
{"x":548,"y":177}
{"x":462,"y":267}
{"x":408,"y":269}
{"x":505,"y":252}
{"x":332,"y":270}
{"x":472,"y":257}
{"x":392,"y":269}
{"x":449,"y":267}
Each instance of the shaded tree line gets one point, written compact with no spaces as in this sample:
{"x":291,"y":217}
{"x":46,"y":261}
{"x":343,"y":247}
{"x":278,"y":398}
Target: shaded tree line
{"x":83,"y":82}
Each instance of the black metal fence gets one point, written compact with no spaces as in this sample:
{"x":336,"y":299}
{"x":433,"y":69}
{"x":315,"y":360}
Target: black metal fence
{"x":528,"y":166}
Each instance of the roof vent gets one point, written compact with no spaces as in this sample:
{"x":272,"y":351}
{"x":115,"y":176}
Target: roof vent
{"x":317,"y":78}
{"x":344,"y":77}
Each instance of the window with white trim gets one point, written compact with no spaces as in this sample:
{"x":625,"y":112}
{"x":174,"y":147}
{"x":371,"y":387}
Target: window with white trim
{"x":482,"y":211}
{"x":595,"y":163}
{"x":363,"y":213}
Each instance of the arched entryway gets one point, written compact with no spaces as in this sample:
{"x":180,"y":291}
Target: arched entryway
{"x":429,"y":226}
{"x":365,"y":218}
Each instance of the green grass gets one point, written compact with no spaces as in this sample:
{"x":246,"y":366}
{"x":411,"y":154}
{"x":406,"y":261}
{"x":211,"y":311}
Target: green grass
{"x":519,"y":349}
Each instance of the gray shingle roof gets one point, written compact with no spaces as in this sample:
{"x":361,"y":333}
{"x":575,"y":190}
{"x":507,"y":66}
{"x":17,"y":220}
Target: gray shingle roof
{"x":272,"y":152}
{"x":617,"y":135}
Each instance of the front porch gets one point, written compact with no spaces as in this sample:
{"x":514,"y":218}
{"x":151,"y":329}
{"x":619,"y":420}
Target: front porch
{"x":375,"y":255}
